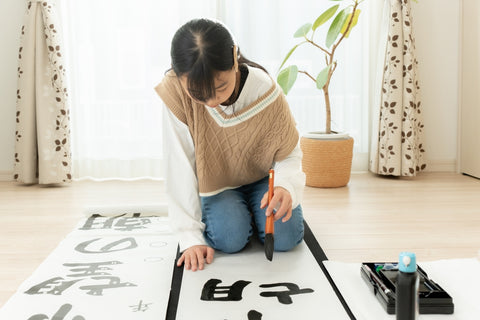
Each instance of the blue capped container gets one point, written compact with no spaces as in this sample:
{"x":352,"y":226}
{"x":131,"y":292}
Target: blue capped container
{"x":406,"y":307}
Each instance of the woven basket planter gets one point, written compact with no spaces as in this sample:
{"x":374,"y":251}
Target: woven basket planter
{"x":327,"y":163}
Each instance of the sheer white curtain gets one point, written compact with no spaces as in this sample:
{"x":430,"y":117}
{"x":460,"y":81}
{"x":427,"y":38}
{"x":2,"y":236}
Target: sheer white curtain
{"x":119,"y":50}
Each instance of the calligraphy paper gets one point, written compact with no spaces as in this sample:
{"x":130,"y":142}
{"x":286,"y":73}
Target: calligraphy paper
{"x":246,"y":285}
{"x":107,"y":268}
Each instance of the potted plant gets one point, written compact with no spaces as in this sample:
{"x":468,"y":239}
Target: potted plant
{"x":327,"y":155}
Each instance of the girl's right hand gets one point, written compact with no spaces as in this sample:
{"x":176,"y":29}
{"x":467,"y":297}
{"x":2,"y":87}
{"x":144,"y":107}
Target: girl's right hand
{"x":195,"y":257}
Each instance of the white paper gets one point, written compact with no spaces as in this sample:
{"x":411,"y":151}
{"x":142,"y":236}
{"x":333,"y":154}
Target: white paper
{"x":107,"y":268}
{"x":297,"y":267}
{"x":460,"y":278}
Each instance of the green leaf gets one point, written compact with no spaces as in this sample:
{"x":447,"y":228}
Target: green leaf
{"x":323,"y":77}
{"x":289,"y":54}
{"x":353,"y":24}
{"x":324,"y":17}
{"x":287,"y":77}
{"x":336,"y":26}
{"x":302,"y":31}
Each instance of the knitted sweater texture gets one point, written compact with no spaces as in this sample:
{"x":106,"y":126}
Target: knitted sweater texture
{"x":238,"y":149}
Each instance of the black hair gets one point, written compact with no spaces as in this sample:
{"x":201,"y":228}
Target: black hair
{"x":200,"y":49}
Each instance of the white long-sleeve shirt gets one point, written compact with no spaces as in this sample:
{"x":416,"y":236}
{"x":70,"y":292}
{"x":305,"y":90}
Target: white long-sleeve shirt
{"x":181,"y":180}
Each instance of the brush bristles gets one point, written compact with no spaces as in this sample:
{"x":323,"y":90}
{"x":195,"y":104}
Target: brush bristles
{"x":269,"y":246}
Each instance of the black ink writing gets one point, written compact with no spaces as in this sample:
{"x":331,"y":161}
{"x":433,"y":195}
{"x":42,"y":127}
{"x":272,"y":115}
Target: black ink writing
{"x":54,"y":286}
{"x":212,"y":292}
{"x":119,"y":223}
{"x":89,"y":269}
{"x":95,"y":272}
{"x":110,"y":283}
{"x":284,"y":296}
{"x":141,"y":306}
{"x":59,"y":315}
{"x":119,"y":245}
{"x":254,"y":315}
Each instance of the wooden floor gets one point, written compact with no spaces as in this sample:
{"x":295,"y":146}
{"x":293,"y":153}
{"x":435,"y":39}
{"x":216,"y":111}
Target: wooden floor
{"x":436,"y":215}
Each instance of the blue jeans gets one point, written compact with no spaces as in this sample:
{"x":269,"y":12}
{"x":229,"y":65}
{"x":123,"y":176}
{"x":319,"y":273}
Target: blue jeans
{"x":229,"y":217}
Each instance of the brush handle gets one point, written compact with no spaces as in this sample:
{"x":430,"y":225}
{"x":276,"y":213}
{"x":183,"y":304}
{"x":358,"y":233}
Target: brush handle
{"x":270,"y":219}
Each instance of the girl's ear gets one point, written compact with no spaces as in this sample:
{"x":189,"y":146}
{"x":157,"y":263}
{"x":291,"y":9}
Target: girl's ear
{"x":235,"y":58}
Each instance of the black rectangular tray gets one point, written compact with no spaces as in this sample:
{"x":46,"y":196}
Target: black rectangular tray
{"x":432,"y":298}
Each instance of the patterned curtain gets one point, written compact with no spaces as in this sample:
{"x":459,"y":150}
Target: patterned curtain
{"x":42,"y":149}
{"x":397,"y":145}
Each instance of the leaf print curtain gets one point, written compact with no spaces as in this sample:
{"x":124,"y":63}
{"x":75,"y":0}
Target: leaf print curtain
{"x":397,"y":145}
{"x":42,"y":149}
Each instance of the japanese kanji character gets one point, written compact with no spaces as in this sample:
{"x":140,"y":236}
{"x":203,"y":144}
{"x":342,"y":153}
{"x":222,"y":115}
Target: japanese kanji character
{"x":233,"y":293}
{"x":59,"y":315}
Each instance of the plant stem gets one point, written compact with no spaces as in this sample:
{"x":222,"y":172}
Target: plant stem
{"x":318,"y":46}
{"x":328,"y":119}
{"x":347,"y":29}
{"x":332,"y":69}
{"x":330,"y":62}
{"x":308,"y":74}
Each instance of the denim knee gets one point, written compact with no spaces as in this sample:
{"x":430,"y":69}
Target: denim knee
{"x":229,"y":240}
{"x":289,"y":234}
{"x":228,"y":222}
{"x":283,"y":243}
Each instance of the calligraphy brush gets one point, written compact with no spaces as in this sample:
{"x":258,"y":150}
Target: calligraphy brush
{"x":269,"y":241}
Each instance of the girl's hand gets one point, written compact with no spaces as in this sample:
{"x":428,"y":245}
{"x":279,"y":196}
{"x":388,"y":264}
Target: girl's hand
{"x":282,"y":198}
{"x":195,"y":257}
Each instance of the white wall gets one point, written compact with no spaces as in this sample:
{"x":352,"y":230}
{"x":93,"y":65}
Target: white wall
{"x":11,"y":19}
{"x":436,"y":26}
{"x":437,"y":29}
{"x":469,"y":155}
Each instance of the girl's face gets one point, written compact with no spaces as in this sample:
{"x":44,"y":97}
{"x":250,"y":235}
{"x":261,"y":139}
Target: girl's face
{"x":224,"y":87}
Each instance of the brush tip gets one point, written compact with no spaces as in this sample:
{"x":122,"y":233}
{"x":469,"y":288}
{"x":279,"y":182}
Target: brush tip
{"x":269,"y":246}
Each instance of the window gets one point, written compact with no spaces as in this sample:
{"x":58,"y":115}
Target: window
{"x":119,"y":50}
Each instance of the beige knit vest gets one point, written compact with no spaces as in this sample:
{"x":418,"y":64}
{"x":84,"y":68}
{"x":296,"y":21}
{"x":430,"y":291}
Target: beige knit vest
{"x":238,"y":149}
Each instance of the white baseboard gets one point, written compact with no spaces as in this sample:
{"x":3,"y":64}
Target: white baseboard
{"x":358,"y":166}
{"x":360,"y":162}
{"x":438,"y":165}
{"x":6,"y":175}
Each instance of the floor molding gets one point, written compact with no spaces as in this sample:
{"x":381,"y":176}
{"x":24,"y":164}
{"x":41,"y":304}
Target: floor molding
{"x":439,"y":165}
{"x":6,"y":175}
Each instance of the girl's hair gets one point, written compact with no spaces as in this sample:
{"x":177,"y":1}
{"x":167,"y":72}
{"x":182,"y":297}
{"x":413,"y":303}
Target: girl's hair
{"x":200,"y":49}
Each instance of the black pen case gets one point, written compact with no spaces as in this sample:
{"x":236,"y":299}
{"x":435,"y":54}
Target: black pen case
{"x":432,"y":298}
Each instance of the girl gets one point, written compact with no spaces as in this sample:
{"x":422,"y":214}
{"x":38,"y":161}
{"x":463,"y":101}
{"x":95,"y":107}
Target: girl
{"x":226,"y":123}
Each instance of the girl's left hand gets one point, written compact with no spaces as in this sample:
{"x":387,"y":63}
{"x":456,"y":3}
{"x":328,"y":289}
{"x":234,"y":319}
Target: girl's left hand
{"x":282,"y":198}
